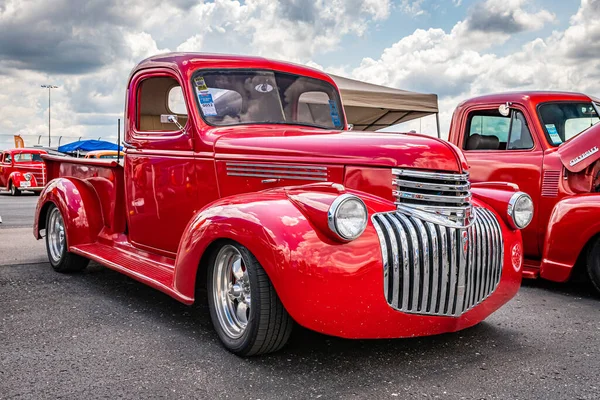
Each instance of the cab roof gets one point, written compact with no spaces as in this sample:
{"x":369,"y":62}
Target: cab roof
{"x":532,"y":97}
{"x":24,"y":150}
{"x":187,"y":63}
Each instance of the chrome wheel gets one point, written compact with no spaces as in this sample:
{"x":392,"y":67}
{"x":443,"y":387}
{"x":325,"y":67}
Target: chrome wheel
{"x":55,"y":230}
{"x":231,"y":291}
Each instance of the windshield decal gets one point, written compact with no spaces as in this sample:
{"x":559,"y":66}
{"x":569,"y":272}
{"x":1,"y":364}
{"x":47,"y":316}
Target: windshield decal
{"x":207,"y":104}
{"x":263,"y":88}
{"x":335,"y":116}
{"x":200,"y":84}
{"x":554,"y":136}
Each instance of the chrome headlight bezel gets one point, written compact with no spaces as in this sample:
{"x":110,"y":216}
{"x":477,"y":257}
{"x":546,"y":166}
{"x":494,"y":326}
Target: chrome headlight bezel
{"x":333,"y":216}
{"x":512,"y":205}
{"x":27,"y":176}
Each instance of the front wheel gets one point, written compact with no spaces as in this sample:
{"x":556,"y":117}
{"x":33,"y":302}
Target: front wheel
{"x":593,"y":264}
{"x":56,"y":244}
{"x":13,"y":190}
{"x":245,"y":310}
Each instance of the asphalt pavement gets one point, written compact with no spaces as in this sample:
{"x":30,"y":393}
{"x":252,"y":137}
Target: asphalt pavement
{"x":99,"y":334}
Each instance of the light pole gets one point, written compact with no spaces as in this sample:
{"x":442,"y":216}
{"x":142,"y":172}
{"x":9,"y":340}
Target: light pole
{"x":49,"y":87}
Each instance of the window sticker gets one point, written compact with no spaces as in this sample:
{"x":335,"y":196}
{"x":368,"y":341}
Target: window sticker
{"x":335,"y":116}
{"x":554,"y":136}
{"x":207,"y":104}
{"x":263,"y":88}
{"x":200,"y":84}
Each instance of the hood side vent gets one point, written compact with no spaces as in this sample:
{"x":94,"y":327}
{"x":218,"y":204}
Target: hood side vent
{"x":278,"y":171}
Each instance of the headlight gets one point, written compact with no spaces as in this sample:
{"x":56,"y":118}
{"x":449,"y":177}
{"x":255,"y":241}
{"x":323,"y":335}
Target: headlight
{"x":520,"y":210}
{"x":27,"y":176}
{"x":347,"y":217}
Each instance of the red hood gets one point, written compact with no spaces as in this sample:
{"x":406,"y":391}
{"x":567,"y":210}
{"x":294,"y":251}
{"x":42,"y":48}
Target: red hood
{"x":335,"y":147}
{"x":582,"y":151}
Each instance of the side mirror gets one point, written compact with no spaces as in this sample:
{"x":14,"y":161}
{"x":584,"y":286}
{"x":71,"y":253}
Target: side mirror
{"x":504,"y":109}
{"x":170,"y":119}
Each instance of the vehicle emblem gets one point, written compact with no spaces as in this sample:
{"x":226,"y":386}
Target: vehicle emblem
{"x":465,"y":241}
{"x":585,"y":155}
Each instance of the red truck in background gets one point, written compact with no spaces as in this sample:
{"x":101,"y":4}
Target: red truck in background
{"x":546,"y":143}
{"x":22,"y":169}
{"x":231,"y":182}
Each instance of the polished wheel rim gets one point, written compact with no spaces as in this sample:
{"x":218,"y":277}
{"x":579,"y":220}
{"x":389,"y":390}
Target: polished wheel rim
{"x":231,"y":291}
{"x":56,"y":235}
{"x":13,"y":188}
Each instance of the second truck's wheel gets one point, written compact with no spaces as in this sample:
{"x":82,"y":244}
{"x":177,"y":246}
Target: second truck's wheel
{"x":593,"y":264}
{"x":245,"y":310}
{"x":56,"y":244}
{"x":13,"y":190}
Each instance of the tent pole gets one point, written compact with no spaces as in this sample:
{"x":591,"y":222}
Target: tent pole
{"x":437,"y":120}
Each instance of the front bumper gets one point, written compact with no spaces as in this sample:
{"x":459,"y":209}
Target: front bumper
{"x":339,"y":290}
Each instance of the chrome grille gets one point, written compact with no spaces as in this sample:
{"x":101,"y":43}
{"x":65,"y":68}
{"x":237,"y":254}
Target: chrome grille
{"x":39,"y":172}
{"x":439,"y":270}
{"x":445,"y":194}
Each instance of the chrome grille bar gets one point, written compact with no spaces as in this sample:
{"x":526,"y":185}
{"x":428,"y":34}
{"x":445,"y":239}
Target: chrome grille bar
{"x":442,"y":194}
{"x":437,"y":270}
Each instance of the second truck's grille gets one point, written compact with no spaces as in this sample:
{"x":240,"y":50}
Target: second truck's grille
{"x":437,"y":270}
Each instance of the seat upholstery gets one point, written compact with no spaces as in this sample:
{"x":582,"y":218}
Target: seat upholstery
{"x":152,"y":123}
{"x":480,"y":142}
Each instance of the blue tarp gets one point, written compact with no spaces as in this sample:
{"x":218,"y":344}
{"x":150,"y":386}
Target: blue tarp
{"x":88,"y":145}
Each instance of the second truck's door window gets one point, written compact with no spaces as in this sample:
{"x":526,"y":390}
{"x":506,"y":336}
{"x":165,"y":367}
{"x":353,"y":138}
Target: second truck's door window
{"x":488,"y":130}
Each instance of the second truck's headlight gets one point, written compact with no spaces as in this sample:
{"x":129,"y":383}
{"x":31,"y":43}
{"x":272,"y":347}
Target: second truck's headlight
{"x":520,"y":210}
{"x":347,"y":217}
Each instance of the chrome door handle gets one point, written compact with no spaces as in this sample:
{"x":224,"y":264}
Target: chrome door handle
{"x":129,"y":145}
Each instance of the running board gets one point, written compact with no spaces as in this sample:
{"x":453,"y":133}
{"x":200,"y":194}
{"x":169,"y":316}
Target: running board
{"x":531,"y":269}
{"x":152,"y":273}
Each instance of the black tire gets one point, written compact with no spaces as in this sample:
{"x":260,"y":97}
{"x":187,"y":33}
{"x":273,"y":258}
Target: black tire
{"x":269,"y":325}
{"x":13,"y":190}
{"x":65,"y":261}
{"x":593,"y":264}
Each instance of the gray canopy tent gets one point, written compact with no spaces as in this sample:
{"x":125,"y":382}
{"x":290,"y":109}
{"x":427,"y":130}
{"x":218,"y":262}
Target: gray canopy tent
{"x":371,"y":107}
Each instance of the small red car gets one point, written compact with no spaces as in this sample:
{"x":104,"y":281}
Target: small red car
{"x":240,"y":176}
{"x":546,"y":143}
{"x":22,"y":169}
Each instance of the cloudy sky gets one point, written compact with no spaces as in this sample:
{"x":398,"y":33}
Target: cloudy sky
{"x":455,"y":48}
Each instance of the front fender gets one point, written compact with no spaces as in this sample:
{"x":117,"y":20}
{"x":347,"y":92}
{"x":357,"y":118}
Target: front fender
{"x":283,"y":238}
{"x":573,"y":223}
{"x":496,"y":195}
{"x":79,"y":206}
{"x":15,"y":177}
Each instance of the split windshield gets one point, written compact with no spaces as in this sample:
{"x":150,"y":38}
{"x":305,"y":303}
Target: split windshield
{"x":565,"y":120}
{"x":266,"y":97}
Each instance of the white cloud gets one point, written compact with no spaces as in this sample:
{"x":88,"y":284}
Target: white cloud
{"x":459,"y":64}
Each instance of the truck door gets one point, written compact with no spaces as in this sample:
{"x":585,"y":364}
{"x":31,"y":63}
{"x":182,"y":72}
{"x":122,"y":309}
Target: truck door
{"x":5,"y":163}
{"x":161,"y":190}
{"x":502,"y":148}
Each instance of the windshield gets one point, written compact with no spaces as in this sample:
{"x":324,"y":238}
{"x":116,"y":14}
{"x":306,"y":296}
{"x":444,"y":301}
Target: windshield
{"x":565,"y":120}
{"x":266,"y":97}
{"x":27,"y":157}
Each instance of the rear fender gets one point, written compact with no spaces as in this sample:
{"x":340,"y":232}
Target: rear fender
{"x":282,"y":234}
{"x":79,"y":206}
{"x":573,"y":223}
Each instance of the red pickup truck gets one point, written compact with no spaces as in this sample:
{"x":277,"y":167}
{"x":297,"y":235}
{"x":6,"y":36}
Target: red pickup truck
{"x":546,"y":143}
{"x":22,"y":169}
{"x":240,"y":176}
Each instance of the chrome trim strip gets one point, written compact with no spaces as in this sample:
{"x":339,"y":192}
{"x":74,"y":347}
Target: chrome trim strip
{"x":405,"y":262}
{"x":435,"y":218}
{"x":384,"y":254}
{"x":400,"y":194}
{"x":430,"y":175}
{"x":395,"y":260}
{"x":265,"y":175}
{"x":436,"y":269}
{"x":431,"y":186}
{"x":269,"y":165}
{"x":445,"y":271}
{"x":291,"y":172}
{"x":424,"y":247}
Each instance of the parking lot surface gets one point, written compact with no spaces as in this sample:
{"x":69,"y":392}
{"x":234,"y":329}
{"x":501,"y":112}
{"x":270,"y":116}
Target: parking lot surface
{"x":99,"y":334}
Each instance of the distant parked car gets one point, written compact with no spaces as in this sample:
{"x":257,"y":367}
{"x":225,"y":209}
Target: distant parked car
{"x":104,"y":154}
{"x":22,"y":169}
